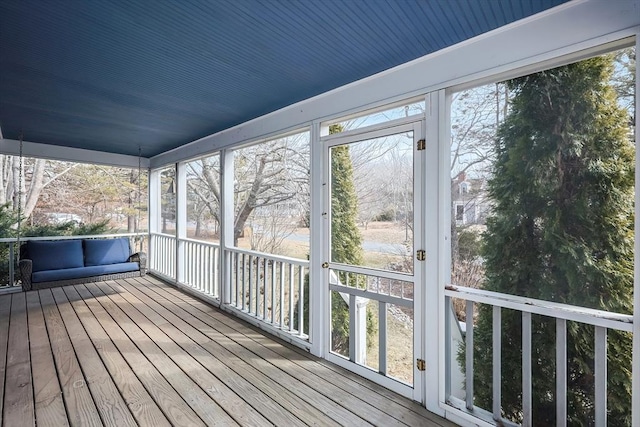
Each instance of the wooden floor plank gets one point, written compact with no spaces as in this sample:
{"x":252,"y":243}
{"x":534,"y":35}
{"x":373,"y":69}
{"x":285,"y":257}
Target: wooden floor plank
{"x":155,"y":326}
{"x":141,"y":352}
{"x":111,"y":406}
{"x":81,"y":409}
{"x":281,"y":387}
{"x":49,"y":405}
{"x":172,"y":404}
{"x":408,"y":412}
{"x":332,"y":405}
{"x":141,"y":404}
{"x":18,"y":398}
{"x":5,"y":311}
{"x":215,"y":358}
{"x":206,"y":408}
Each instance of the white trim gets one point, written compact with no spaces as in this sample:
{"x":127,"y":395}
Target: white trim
{"x":318,"y":289}
{"x":573,"y":26}
{"x":420,"y":268}
{"x":155,"y":216}
{"x":444,"y":230}
{"x":181,"y":219}
{"x":227,"y":221}
{"x":402,"y":125}
{"x":70,"y":154}
{"x":432,"y":300}
{"x":394,"y":385}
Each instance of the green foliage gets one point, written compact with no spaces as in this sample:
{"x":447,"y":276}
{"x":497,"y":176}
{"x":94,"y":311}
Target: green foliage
{"x":67,"y":229}
{"x":469,"y":244}
{"x":346,"y":240}
{"x":561,"y":230}
{"x":8,"y":220}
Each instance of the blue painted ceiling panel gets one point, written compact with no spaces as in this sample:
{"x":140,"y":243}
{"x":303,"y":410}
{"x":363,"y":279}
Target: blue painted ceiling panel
{"x":116,"y":75}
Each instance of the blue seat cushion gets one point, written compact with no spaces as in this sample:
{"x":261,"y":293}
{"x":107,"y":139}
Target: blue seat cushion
{"x":53,"y":255}
{"x":75,"y":273}
{"x":106,"y":251}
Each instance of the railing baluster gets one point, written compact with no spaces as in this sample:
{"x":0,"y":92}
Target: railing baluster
{"x":526,"y":369}
{"x":265,"y":276}
{"x":601,"y":375}
{"x":382,"y":346}
{"x":497,"y":363}
{"x":300,"y":300}
{"x":244,"y":268}
{"x":235,"y":257}
{"x":273,"y":292}
{"x":291,"y":297}
{"x":250,"y":302}
{"x":469,"y":355}
{"x":352,"y":327}
{"x":258,"y":281}
{"x":281,"y":294}
{"x":561,"y":372}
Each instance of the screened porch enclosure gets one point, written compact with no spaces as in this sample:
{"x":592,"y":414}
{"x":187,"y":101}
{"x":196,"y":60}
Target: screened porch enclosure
{"x":445,"y":237}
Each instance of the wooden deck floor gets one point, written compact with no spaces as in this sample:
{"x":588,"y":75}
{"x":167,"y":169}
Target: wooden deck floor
{"x":140,"y":352}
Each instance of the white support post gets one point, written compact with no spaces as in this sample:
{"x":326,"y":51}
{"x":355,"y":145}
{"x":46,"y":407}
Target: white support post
{"x":432,"y":202}
{"x":318,"y":282}
{"x":226,"y":223}
{"x":360,"y":338}
{"x":155,"y":214}
{"x":181,"y":220}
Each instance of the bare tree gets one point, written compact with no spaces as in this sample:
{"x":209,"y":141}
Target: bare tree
{"x":37,"y":174}
{"x":267,"y":175}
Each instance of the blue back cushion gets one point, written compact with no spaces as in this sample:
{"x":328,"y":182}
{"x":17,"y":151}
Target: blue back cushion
{"x":53,"y":255}
{"x":106,"y":251}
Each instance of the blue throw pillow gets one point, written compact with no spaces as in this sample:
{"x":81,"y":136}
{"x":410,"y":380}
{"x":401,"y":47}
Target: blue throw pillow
{"x":54,"y":255}
{"x":106,"y":251}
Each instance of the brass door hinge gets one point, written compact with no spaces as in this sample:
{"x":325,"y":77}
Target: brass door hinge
{"x":421,"y":364}
{"x":421,"y":255}
{"x":422,"y":144}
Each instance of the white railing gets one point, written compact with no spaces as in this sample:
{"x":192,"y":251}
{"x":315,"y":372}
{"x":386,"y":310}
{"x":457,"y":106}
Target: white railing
{"x":162,"y":257}
{"x":602,"y":321}
{"x":202,"y":261}
{"x":9,"y":250}
{"x":392,"y":292}
{"x":270,"y":288}
{"x":267,"y":288}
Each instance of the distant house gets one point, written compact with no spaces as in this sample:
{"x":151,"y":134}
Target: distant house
{"x":469,"y":200}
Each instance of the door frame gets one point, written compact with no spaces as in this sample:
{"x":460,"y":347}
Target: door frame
{"x":415,"y":124}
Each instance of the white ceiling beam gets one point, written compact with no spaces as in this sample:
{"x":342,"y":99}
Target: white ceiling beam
{"x":576,"y":25}
{"x":69,"y":154}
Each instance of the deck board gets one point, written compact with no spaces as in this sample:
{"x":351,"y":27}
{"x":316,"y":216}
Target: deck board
{"x":174,"y":407}
{"x":48,"y":400}
{"x":5,"y":310}
{"x":81,"y":409}
{"x":195,"y":343}
{"x":141,"y":352}
{"x":18,"y":402}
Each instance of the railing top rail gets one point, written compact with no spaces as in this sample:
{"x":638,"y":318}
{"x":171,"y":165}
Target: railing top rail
{"x":155,"y":233}
{"x":201,"y":242}
{"x":295,"y":261}
{"x":91,"y":236}
{"x":589,"y":316}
